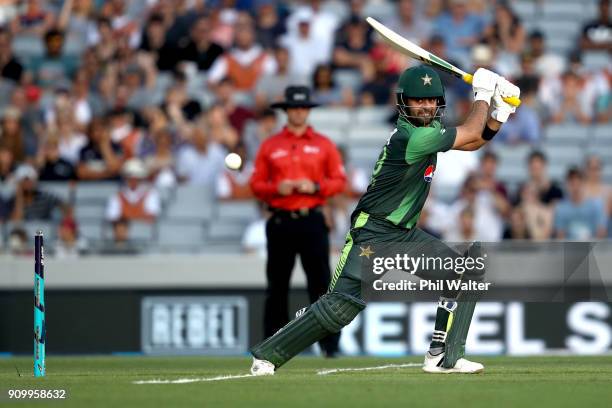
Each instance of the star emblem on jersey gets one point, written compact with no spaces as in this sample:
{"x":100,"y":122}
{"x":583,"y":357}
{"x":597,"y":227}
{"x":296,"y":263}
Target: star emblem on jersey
{"x":429,"y":173}
{"x":367,"y":251}
{"x":426,"y":80}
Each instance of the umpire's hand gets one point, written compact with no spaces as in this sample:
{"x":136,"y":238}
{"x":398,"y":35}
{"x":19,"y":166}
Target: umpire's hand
{"x":306,"y":186}
{"x":285,"y":187}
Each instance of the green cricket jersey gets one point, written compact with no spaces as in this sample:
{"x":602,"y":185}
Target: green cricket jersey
{"x":401,"y":178}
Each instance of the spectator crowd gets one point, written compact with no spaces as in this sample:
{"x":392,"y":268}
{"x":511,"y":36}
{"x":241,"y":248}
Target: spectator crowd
{"x":155,"y":93}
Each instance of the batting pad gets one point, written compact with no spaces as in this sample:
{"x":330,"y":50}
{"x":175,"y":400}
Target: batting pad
{"x":462,"y":316}
{"x":328,"y":315}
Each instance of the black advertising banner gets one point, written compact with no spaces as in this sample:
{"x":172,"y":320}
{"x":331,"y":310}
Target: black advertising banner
{"x":221,"y":322}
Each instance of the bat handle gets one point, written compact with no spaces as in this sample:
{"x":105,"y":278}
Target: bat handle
{"x":513,"y":100}
{"x":467,"y":78}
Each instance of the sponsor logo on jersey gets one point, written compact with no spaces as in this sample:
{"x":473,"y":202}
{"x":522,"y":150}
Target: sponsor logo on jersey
{"x":429,"y":173}
{"x":278,"y":154}
{"x":311,"y":149}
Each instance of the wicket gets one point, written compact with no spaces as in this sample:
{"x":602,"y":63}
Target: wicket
{"x":39,"y":306}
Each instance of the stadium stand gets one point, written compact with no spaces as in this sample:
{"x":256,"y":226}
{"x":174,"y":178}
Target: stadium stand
{"x":192,"y":218}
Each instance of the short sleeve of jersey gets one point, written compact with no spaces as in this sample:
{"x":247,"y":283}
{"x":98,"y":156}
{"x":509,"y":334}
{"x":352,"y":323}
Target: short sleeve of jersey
{"x":428,"y":140}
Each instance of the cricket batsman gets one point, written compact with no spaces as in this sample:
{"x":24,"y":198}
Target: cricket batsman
{"x":388,"y":213}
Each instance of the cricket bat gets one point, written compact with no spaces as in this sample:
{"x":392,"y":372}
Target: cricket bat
{"x":412,"y":50}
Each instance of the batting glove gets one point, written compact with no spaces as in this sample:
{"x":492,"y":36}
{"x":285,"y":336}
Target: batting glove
{"x":502,"y":110}
{"x":483,"y":85}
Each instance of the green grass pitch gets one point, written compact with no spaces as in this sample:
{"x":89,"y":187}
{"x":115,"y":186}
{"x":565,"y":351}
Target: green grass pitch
{"x":507,"y":382}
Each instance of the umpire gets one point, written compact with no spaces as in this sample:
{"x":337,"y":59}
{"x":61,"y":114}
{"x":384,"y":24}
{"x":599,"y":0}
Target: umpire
{"x":296,"y":170}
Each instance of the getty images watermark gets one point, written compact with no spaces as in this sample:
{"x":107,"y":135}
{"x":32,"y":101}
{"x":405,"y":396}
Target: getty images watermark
{"x":500,"y":271}
{"x":434,"y":272}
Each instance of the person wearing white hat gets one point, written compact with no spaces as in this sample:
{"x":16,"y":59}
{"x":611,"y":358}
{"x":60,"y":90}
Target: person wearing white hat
{"x":321,"y":21}
{"x":135,"y":200}
{"x":304,"y":46}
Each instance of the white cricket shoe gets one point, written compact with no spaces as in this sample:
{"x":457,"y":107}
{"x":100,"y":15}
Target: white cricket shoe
{"x":433,"y":364}
{"x":262,"y":367}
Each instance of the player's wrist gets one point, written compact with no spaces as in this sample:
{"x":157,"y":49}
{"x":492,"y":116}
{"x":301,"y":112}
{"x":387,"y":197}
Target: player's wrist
{"x":488,"y":133}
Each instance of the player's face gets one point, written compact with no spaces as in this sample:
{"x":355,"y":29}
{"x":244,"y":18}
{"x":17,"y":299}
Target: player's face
{"x":423,"y":109}
{"x":297,"y":116}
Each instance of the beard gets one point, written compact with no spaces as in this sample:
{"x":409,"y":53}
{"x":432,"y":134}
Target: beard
{"x":422,"y":117}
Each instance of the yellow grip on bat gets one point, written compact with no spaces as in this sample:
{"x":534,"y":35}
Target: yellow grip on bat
{"x":513,"y":100}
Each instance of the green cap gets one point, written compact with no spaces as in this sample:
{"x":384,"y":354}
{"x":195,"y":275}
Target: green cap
{"x":420,"y":82}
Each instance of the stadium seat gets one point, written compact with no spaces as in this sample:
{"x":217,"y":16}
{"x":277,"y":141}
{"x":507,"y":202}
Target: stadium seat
{"x":511,"y":173}
{"x":603,"y":152}
{"x":596,"y":60}
{"x":163,"y":80}
{"x":91,"y":230}
{"x":561,"y":45}
{"x":557,"y":171}
{"x":564,"y":26}
{"x":448,"y":194}
{"x":371,"y":135}
{"x":339,"y":8}
{"x":242,"y":210}
{"x":242,"y":98}
{"x":143,"y":231}
{"x":337,"y":135}
{"x":205,"y":97}
{"x":565,"y":155}
{"x":331,"y":117}
{"x":524,"y":8}
{"x":196,"y":83}
{"x":512,"y":155}
{"x":6,"y":88}
{"x":27,"y":46}
{"x":561,"y":33}
{"x":603,"y":132}
{"x":75,"y":45}
{"x":380,"y":10}
{"x":555,"y":9}
{"x":175,"y":235}
{"x":607,"y":174}
{"x":60,"y":189}
{"x":281,"y":116}
{"x":345,"y":78}
{"x":363,"y":156}
{"x":225,"y":231}
{"x":373,"y":115}
{"x":49,"y":229}
{"x":530,"y":23}
{"x":91,"y":212}
{"x":95,"y":192}
{"x":567,"y":133}
{"x":193,"y":202}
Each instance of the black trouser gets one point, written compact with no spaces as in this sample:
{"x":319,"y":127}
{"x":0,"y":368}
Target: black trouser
{"x":288,"y":235}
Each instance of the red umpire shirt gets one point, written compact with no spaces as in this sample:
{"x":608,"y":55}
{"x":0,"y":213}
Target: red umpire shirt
{"x":287,"y":156}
